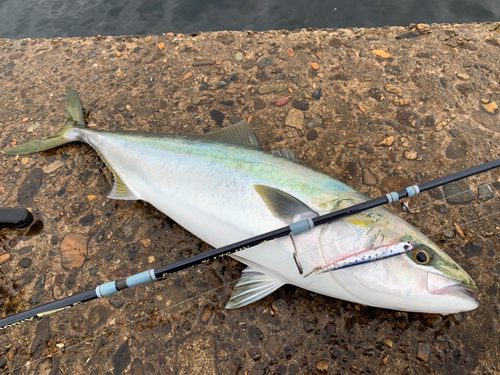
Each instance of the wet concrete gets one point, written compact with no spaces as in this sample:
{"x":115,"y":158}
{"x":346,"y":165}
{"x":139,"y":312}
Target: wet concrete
{"x":376,"y":108}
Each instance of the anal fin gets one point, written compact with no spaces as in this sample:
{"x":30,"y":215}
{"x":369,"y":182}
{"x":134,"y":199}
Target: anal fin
{"x":253,"y":286}
{"x":121,"y":190}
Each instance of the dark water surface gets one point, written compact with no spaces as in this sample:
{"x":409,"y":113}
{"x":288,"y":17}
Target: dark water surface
{"x":51,"y":18}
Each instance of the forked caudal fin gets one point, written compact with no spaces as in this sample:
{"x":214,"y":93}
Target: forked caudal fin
{"x":74,"y":119}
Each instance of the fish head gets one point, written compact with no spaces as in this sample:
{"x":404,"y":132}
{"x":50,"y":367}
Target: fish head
{"x":423,"y":280}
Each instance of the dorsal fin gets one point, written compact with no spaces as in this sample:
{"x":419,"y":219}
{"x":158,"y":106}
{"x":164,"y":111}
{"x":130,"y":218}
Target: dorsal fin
{"x":284,"y":206}
{"x":286,"y":153}
{"x":238,"y":134}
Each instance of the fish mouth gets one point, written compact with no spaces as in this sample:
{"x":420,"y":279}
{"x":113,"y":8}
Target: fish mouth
{"x":443,"y":285}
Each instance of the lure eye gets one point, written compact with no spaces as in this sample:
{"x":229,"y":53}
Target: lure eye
{"x":422,"y":257}
{"x":406,"y":247}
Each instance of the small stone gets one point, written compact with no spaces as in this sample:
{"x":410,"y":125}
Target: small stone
{"x":312,"y":135}
{"x":3,"y":362}
{"x":53,"y":167}
{"x":314,"y":123}
{"x":238,"y":56}
{"x":299,"y":80}
{"x":87,"y":220}
{"x":122,"y":358}
{"x":382,"y":53}
{"x":463,"y":76}
{"x":411,"y":155}
{"x":73,"y":250}
{"x":388,"y":342}
{"x":228,"y":103}
{"x":147,"y":39}
{"x":206,"y":314}
{"x":409,"y":118}
{"x":116,"y":301}
{"x":222,"y":83}
{"x":25,"y":263}
{"x":453,"y":133}
{"x":235,"y":119}
{"x":430,"y":121}
{"x":485,"y":192}
{"x":472,"y":250}
{"x":217,"y":116}
{"x":458,"y":193}
{"x":42,"y":337}
{"x":386,"y":141}
{"x":423,"y":351}
{"x":248,"y":64}
{"x":4,"y":258}
{"x":315,"y":66}
{"x":226,"y":39}
{"x":490,"y":107}
{"x":303,"y":105}
{"x":290,"y":52}
{"x":93,"y":271}
{"x":423,"y":28}
{"x":410,"y":35}
{"x":272,"y":346}
{"x":322,"y":366}
{"x":187,"y":76}
{"x":151,"y":259}
{"x":203,"y":62}
{"x":385,"y":360}
{"x":457,"y":149}
{"x":281,"y":101}
{"x":401,"y":102}
{"x":161,"y":46}
{"x":146,"y":242}
{"x":394,"y":90}
{"x":259,"y":103}
{"x":33,"y":127}
{"x":317,"y":94}
{"x":369,"y":177}
{"x":272,"y":87}
{"x":264,"y":62}
{"x":294,"y":118}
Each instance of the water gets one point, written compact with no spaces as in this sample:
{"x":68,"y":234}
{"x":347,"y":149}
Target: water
{"x":44,"y":18}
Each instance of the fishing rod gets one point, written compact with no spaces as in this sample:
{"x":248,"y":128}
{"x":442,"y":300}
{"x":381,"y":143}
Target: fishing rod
{"x":113,"y":287}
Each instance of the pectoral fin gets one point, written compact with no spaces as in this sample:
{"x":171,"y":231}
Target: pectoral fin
{"x":284,"y":206}
{"x":254,"y":285}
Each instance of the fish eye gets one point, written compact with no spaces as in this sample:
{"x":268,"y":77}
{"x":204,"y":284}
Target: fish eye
{"x":422,"y":256}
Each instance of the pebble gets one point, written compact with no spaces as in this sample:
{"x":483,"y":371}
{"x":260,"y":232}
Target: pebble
{"x":235,"y":119}
{"x":489,"y":106}
{"x":264,"y":62}
{"x":457,"y":149}
{"x":423,"y":351}
{"x":290,"y":52}
{"x":226,"y":39}
{"x":248,"y":64}
{"x":382,"y":53}
{"x":410,"y":35}
{"x":116,"y":301}
{"x":203,"y":62}
{"x":453,"y":133}
{"x":317,"y":94}
{"x":73,"y":250}
{"x":229,"y":103}
{"x":322,"y":366}
{"x":30,"y":187}
{"x":393,"y":89}
{"x":259,"y":103}
{"x":294,"y":118}
{"x":271,"y":87}
{"x":222,"y":83}
{"x":93,"y":271}
{"x":312,"y":135}
{"x":87,"y":220}
{"x":207,"y":313}
{"x":4,"y":258}
{"x":122,"y":358}
{"x":92,"y":55}
{"x":386,"y":141}
{"x":463,"y":76}
{"x":25,"y":263}
{"x":472,"y":250}
{"x":314,"y":123}
{"x":273,"y":346}
{"x":485,"y":192}
{"x":42,"y":337}
{"x":303,"y":105}
{"x":33,"y":127}
{"x":315,"y":66}
{"x":388,"y":342}
{"x":430,"y":121}
{"x":238,"y":56}
{"x":281,"y":101}
{"x":53,"y":167}
{"x":369,"y":177}
{"x":217,"y":116}
{"x":299,"y":80}
{"x":460,"y":187}
{"x":411,"y":155}
{"x":445,"y":122}
{"x":409,"y":118}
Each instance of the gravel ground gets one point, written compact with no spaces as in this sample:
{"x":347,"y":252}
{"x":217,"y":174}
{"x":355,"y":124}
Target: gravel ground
{"x":379,"y":109}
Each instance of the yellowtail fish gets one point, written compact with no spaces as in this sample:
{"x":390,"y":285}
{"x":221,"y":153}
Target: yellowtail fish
{"x":224,"y":188}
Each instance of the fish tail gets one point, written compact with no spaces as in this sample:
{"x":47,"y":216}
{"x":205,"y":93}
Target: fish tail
{"x":74,"y":119}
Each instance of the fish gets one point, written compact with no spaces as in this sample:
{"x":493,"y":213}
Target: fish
{"x":223,"y":187}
